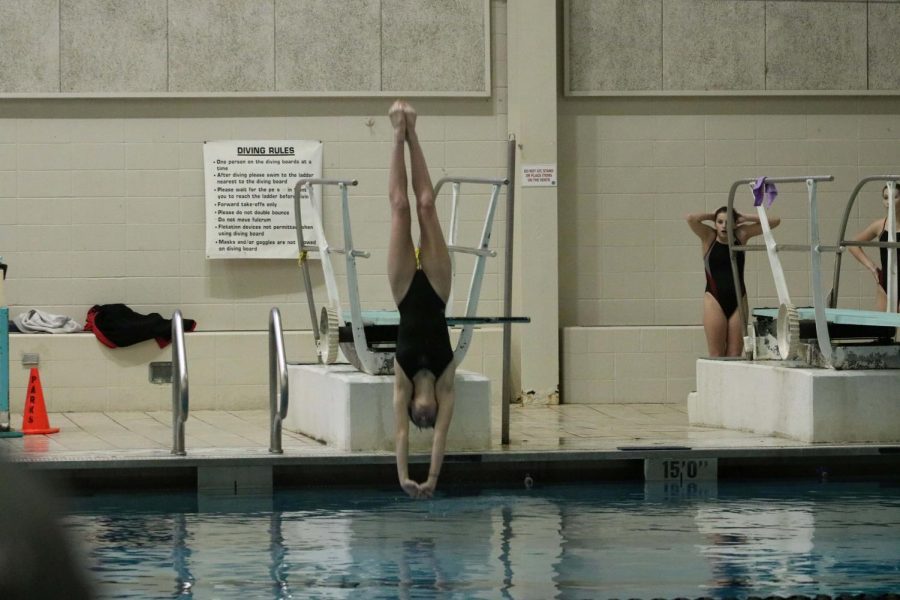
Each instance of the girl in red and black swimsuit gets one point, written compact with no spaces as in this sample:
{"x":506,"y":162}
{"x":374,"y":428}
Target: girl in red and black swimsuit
{"x":721,"y":319}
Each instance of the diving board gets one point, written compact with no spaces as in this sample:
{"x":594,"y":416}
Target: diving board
{"x":819,"y":349}
{"x":841,"y":316}
{"x":392,"y":317}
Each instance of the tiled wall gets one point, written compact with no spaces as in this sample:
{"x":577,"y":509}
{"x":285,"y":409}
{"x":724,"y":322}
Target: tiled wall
{"x":96,"y":211}
{"x":611,"y":365}
{"x":226,"y":371}
{"x":699,"y":45}
{"x":630,"y":171}
{"x":255,"y":46}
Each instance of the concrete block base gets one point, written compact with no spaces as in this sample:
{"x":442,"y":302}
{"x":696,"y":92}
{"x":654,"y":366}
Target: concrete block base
{"x":351,"y":410}
{"x":810,"y":405}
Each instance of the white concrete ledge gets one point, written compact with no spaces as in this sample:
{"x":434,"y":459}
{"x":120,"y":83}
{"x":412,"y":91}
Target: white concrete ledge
{"x":351,"y":410}
{"x":811,"y":405}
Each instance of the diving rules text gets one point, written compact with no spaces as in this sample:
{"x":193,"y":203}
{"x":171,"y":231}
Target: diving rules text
{"x":250,"y":196}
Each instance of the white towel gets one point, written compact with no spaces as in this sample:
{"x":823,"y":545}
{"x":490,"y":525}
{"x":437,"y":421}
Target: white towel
{"x":38,"y":321}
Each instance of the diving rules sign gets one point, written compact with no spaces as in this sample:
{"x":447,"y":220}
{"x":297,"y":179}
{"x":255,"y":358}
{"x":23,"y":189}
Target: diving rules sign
{"x":250,"y":196}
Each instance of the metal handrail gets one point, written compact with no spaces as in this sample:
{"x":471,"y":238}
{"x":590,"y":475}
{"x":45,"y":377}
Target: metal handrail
{"x":843,"y":231}
{"x":180,"y":401}
{"x":303,"y":247}
{"x":278,"y":381}
{"x":507,"y":290}
{"x":308,"y":182}
{"x":479,"y":180}
{"x":729,"y":228}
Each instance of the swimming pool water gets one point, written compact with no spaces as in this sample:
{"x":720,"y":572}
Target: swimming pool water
{"x":573,"y":541}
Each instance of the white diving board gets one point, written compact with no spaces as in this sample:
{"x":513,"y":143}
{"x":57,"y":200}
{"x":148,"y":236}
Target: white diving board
{"x":841,"y":316}
{"x":392,"y":317}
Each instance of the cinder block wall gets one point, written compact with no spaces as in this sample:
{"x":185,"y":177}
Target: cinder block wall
{"x":101,"y":175}
{"x":226,"y":370}
{"x":612,"y":365}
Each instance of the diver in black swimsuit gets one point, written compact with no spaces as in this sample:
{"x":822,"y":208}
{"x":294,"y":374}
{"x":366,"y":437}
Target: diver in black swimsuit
{"x":877,"y":229}
{"x":722,"y":321}
{"x":882,"y":273}
{"x":424,"y":369}
{"x":423,"y":340}
{"x":719,"y":280}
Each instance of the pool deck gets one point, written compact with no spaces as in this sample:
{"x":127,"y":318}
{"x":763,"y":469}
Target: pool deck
{"x":582,"y":438}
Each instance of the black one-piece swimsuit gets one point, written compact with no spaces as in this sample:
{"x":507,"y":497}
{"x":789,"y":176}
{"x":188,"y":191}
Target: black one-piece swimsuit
{"x":423,"y":341}
{"x":719,"y":281}
{"x":882,"y":279}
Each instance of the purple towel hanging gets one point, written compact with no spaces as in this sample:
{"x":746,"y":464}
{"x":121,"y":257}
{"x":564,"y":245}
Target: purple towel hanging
{"x":764,"y":191}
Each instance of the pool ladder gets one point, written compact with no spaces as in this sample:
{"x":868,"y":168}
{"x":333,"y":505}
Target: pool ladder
{"x":180,"y":401}
{"x":278,"y":383}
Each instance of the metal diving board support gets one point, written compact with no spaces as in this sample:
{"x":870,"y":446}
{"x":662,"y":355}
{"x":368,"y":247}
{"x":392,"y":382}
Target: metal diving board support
{"x":481,"y":252}
{"x":333,"y":318}
{"x":770,"y":247}
{"x":788,"y":326}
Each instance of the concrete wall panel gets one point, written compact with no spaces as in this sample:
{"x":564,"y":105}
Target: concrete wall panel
{"x":433,"y":46}
{"x":615,"y":45}
{"x":221,"y":45}
{"x":322,"y":45}
{"x":711,"y":45}
{"x":108,"y":46}
{"x":815,"y":46}
{"x":884,"y":46}
{"x":29,"y":38}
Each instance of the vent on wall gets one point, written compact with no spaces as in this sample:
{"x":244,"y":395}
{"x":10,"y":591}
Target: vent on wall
{"x":161,"y":372}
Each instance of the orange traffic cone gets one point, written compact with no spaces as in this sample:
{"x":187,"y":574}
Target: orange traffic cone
{"x":34,"y":418}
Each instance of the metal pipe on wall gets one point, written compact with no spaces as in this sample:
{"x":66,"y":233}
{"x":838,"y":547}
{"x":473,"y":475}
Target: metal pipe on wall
{"x":507,"y":289}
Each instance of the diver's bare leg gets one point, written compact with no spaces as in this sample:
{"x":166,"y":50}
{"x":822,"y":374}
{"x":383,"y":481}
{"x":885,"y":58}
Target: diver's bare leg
{"x":434,"y":255}
{"x":401,"y":252}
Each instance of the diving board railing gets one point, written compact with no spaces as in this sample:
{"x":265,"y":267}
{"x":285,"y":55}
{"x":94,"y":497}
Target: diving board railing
{"x":481,"y":252}
{"x":278,"y":381}
{"x":326,"y":341}
{"x":770,"y":246}
{"x":375,"y":362}
{"x":325,"y":250}
{"x":823,"y":311}
{"x":891,"y":276}
{"x":180,"y":398}
{"x":325,"y":326}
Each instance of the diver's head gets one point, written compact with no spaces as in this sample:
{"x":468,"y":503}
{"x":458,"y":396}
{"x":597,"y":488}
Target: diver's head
{"x":423,"y":405}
